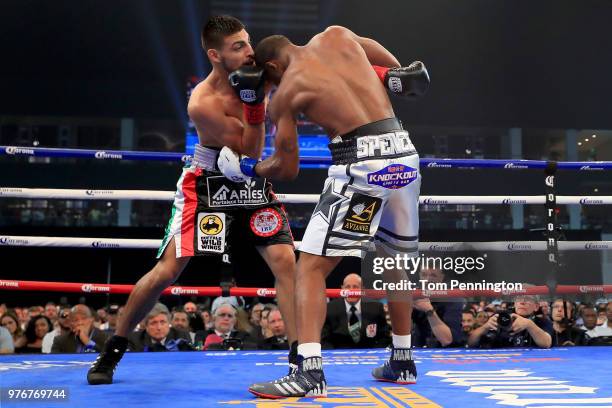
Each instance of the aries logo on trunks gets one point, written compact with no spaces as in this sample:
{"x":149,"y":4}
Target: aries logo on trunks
{"x":211,"y":232}
{"x":361,"y":212}
{"x":225,"y":193}
{"x":393,"y":176}
{"x":266,"y":222}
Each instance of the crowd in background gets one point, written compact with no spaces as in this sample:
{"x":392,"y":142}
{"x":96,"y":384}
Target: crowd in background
{"x":230,"y":323}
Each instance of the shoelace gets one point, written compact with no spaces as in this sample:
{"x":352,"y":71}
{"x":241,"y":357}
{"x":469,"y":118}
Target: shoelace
{"x":104,"y":363}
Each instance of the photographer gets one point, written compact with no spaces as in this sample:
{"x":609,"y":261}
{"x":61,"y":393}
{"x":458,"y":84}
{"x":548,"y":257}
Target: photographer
{"x":519,"y":329}
{"x":436,"y":324}
{"x":565,"y":334}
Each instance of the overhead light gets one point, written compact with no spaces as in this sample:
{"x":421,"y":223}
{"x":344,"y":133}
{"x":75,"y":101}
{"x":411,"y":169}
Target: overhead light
{"x":579,"y":143}
{"x":596,"y":190}
{"x":594,"y":136}
{"x":586,"y":140}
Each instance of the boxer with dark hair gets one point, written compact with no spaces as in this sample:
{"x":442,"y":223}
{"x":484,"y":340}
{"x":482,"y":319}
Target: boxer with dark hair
{"x":372,"y":190}
{"x":211,"y":212}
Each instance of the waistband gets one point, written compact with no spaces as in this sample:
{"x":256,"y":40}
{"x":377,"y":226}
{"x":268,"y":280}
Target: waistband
{"x":384,"y":139}
{"x":374,"y":128}
{"x":206,"y":157}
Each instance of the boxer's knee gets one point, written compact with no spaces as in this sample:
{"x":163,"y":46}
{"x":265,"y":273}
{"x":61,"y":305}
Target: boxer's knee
{"x":281,"y":260}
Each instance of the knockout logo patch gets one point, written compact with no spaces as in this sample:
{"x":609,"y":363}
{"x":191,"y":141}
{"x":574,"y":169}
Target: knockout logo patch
{"x":211,"y":232}
{"x":393,"y":176}
{"x":362,"y":210}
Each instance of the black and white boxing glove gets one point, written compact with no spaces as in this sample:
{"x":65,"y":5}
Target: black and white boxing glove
{"x":410,"y":81}
{"x":248,"y":82}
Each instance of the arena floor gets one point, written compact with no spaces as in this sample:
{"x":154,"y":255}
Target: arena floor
{"x":562,"y":377}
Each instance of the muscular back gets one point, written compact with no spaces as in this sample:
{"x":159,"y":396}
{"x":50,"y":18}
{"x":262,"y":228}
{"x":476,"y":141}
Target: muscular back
{"x":332,"y":82}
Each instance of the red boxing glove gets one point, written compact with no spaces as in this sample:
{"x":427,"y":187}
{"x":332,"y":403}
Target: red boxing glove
{"x":254,"y":114}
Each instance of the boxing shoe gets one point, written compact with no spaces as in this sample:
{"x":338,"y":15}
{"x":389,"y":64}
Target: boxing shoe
{"x":399,"y":369}
{"x":102,"y":370}
{"x":308,"y":381}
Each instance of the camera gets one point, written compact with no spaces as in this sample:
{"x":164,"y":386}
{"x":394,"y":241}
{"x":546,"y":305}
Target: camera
{"x":232,"y":343}
{"x":502,"y":335}
{"x":504,"y":321}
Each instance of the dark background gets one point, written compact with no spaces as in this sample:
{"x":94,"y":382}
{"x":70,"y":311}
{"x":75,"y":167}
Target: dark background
{"x":493,"y":63}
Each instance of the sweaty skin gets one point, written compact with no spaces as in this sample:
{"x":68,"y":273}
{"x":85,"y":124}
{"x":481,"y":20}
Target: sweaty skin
{"x":331,"y":81}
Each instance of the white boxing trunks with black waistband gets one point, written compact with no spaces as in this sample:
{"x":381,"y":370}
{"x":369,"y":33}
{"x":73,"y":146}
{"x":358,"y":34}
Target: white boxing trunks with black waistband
{"x":370,"y":195}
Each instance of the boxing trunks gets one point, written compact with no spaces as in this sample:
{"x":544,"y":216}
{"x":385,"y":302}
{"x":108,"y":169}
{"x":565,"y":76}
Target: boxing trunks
{"x":371,"y":194}
{"x":210,"y":211}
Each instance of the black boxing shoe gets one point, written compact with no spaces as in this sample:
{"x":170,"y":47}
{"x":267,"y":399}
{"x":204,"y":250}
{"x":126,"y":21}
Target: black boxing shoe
{"x":399,"y":369}
{"x":309,"y":382}
{"x":102,"y":370}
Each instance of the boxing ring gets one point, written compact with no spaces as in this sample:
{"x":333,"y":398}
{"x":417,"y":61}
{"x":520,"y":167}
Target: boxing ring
{"x":558,"y":377}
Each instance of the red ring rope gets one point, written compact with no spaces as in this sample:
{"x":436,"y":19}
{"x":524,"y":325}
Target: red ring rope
{"x":74,"y":287}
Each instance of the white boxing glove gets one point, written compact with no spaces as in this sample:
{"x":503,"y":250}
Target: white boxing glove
{"x":233,"y":165}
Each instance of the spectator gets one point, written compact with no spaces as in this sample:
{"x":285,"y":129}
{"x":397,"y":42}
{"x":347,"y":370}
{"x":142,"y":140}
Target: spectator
{"x":518,"y":329}
{"x":565,"y":334}
{"x":255,"y":317}
{"x":35,"y":311}
{"x":158,"y":335}
{"x":352,"y":322}
{"x":101,"y":318}
{"x":242,"y":321}
{"x":112,"y":314}
{"x":468,"y":322}
{"x":83,"y":337}
{"x":24,"y":317}
{"x":207,"y":319}
{"x":481,"y":318}
{"x":263,"y":323}
{"x":605,"y":329}
{"x":51,"y":312}
{"x":11,"y":322}
{"x":589,"y":319}
{"x":436,"y":324}
{"x":62,"y":327}
{"x":223,"y":335}
{"x":37,"y":327}
{"x":195,"y":321}
{"x":278,"y":340}
{"x":180,"y":321}
{"x":544,"y":308}
{"x":6,"y":341}
{"x":190,"y":307}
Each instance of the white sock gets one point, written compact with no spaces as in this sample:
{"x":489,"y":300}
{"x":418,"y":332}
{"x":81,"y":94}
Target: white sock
{"x":402,"y":341}
{"x":309,"y":350}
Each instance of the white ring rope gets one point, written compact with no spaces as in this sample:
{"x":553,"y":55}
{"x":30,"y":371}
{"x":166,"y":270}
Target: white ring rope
{"x":72,"y":194}
{"x":116,"y":243}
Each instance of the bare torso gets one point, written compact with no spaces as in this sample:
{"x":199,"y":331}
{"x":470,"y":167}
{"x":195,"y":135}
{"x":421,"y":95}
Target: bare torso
{"x":332,"y":82}
{"x":212,"y":94}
